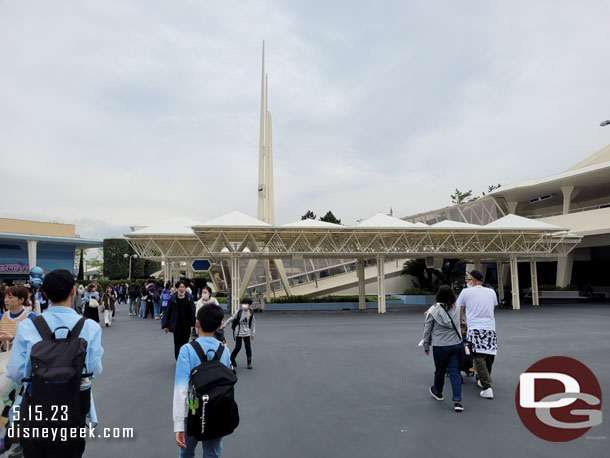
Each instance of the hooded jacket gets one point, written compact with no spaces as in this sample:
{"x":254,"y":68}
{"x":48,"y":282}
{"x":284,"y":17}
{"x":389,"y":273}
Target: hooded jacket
{"x":438,"y":331}
{"x":170,"y":317}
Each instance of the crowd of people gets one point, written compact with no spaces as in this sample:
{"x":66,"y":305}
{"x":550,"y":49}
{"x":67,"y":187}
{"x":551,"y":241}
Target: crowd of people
{"x":459,"y":331}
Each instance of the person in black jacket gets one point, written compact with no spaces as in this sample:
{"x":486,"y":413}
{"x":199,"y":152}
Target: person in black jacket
{"x":180,"y":317}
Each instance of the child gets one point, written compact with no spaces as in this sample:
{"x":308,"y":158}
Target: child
{"x":243,"y":330}
{"x":209,"y":319}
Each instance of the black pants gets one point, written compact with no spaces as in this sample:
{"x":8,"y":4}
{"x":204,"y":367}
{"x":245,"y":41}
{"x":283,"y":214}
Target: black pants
{"x":40,"y":448}
{"x":237,"y":348}
{"x":181,"y":336}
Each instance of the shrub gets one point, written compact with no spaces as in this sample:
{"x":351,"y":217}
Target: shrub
{"x":418,"y":292}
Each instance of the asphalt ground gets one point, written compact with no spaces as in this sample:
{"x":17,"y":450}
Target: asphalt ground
{"x":352,"y":384}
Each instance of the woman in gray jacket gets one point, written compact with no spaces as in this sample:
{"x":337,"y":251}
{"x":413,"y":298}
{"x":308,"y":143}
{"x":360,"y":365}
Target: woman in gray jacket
{"x":441,"y":332}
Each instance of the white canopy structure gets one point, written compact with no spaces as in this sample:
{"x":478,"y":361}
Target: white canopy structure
{"x":238,"y":237}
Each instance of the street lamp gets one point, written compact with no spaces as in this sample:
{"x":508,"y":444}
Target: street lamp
{"x":605,"y":123}
{"x":130,"y":258}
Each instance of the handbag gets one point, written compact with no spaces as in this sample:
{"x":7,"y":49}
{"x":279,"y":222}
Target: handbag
{"x":93,"y":303}
{"x":466,"y":358}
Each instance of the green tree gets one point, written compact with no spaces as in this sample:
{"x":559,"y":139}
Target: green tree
{"x":309,"y":215}
{"x":460,"y":197}
{"x":116,"y":266}
{"x":492,"y":188}
{"x":330,"y":218}
{"x":150,"y":267}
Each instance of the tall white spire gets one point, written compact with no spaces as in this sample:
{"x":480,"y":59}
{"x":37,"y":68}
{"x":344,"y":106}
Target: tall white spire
{"x":265,"y":209}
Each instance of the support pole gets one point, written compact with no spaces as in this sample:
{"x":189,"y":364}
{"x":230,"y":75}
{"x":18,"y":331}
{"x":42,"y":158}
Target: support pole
{"x":279,"y":266}
{"x":381,"y":284}
{"x":514,"y":281}
{"x":534,"y":272}
{"x":361,"y":284}
{"x":235,"y":298}
{"x":32,"y":247}
{"x":247,"y":276}
{"x":267,"y":281}
{"x":500,"y":275}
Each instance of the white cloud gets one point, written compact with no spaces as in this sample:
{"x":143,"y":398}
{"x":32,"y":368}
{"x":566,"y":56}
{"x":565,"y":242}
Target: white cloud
{"x":122,"y":112}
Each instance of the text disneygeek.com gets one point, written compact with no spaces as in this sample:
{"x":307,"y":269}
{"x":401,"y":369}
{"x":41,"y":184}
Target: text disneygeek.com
{"x":63,"y":434}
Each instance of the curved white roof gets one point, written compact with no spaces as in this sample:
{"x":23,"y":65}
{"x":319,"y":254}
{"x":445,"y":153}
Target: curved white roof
{"x":312,"y":223}
{"x":519,"y":222}
{"x":175,"y":226}
{"x":383,"y":220}
{"x":448,"y":224}
{"x":235,"y":218}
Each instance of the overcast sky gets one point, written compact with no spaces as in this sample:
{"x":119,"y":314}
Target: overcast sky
{"x":116,"y":113}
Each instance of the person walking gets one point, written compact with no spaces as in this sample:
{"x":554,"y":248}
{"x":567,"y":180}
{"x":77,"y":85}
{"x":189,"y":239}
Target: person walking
{"x":180,"y":317}
{"x":92,"y":302}
{"x":477,"y":303}
{"x":134,"y":294}
{"x":108,"y":305}
{"x":441,"y":332}
{"x":16,"y":299}
{"x":243,"y":325}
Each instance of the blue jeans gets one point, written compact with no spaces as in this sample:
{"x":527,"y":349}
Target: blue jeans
{"x":447,"y":358}
{"x":211,"y":448}
{"x":143,"y":308}
{"x":157,"y":306}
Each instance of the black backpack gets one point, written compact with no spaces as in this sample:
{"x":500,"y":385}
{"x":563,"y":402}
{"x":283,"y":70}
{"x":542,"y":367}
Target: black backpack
{"x":237,"y":321}
{"x":212,"y":408}
{"x":55,"y":398}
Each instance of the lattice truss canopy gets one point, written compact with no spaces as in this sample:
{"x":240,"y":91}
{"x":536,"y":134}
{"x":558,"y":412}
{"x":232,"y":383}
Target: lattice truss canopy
{"x":353,"y":242}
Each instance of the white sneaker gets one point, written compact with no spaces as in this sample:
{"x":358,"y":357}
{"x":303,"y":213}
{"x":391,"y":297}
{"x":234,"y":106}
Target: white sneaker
{"x":487,"y":394}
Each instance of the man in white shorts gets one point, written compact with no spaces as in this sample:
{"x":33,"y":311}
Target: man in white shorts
{"x":478,"y":304}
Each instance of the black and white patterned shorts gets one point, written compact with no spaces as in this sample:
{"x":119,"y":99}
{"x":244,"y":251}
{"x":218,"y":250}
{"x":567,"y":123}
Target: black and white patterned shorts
{"x":483,"y":341}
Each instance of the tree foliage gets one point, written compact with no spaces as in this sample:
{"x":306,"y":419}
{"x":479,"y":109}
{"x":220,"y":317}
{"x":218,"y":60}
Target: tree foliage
{"x":309,"y":215}
{"x":330,"y":218}
{"x":116,"y":266}
{"x":460,"y":197}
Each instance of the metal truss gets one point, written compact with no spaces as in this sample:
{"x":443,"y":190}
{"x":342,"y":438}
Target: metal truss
{"x":352,"y":243}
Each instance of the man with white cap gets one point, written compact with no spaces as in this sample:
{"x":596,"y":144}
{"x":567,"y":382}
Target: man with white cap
{"x":477,"y":303}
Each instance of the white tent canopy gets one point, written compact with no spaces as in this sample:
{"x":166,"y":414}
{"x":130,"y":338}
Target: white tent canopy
{"x":519,"y":222}
{"x":313,"y":223}
{"x":447,"y":224}
{"x":234,"y":219}
{"x":382,"y":220}
{"x":173,"y":226}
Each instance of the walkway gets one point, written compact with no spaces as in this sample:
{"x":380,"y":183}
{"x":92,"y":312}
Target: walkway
{"x":351,"y":384}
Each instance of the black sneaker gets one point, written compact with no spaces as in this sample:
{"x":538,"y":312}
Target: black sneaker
{"x":234,"y":363}
{"x":249,"y":365}
{"x":457,"y":406}
{"x":435,"y":395}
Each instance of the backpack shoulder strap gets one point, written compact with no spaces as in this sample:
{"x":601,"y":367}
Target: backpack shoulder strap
{"x":219,"y":351}
{"x":251,"y":318}
{"x":78,"y":327}
{"x":42,"y":327}
{"x":199,"y":351}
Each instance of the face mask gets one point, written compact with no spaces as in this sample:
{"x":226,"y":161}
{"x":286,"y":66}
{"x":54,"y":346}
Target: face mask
{"x":469,"y":285}
{"x":205,"y":297}
{"x":244,"y":306}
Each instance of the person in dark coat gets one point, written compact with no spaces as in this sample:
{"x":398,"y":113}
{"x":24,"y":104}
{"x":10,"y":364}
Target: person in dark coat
{"x":180,"y":317}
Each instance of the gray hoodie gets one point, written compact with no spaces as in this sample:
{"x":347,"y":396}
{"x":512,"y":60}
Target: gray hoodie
{"x":438,"y":331}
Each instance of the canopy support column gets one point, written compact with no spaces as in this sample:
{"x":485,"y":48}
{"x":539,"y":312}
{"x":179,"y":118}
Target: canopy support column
{"x":500,"y":275}
{"x":514,"y":281}
{"x":361,"y":284}
{"x":381,"y":284}
{"x":235,"y":297}
{"x":247,"y":276}
{"x":534,"y":273}
{"x":32,"y":247}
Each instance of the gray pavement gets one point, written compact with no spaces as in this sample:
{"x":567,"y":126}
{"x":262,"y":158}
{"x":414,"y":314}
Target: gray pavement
{"x":352,"y":384}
